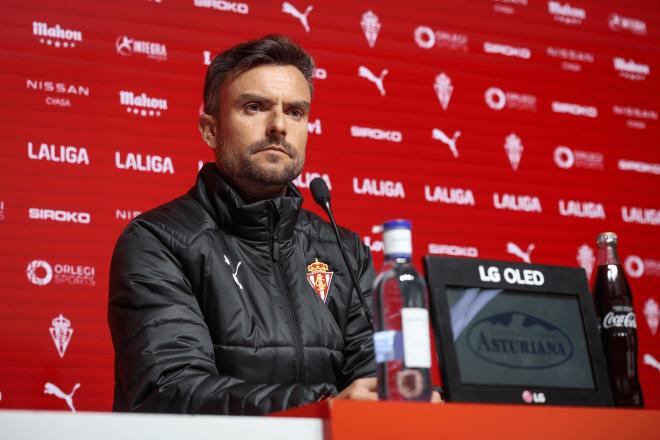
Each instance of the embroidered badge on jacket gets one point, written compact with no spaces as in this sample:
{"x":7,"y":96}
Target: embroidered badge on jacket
{"x":319,"y":278}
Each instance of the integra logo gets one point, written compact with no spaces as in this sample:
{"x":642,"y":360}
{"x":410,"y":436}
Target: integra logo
{"x":519,"y":340}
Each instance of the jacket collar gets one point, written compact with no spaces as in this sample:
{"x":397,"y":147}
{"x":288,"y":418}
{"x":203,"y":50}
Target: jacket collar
{"x":258,"y":221}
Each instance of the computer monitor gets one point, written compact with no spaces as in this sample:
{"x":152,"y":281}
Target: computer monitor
{"x":516,"y":333}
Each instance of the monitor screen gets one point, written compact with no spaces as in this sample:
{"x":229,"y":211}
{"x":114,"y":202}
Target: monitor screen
{"x":505,"y":337}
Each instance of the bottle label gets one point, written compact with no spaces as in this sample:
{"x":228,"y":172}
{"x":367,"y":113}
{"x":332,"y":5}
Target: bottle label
{"x":620,"y":320}
{"x":388,"y":345}
{"x":416,"y":337}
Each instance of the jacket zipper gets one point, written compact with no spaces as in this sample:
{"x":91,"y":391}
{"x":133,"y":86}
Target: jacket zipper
{"x":293,"y":322}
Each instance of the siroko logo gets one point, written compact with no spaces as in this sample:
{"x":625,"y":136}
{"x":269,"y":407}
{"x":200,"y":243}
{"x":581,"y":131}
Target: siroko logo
{"x":566,"y":14}
{"x":629,"y":69}
{"x":427,"y":38}
{"x":507,"y":50}
{"x":637,"y":267}
{"x":142,"y":104}
{"x":149,"y":163}
{"x":304,"y":179}
{"x":364,"y":72}
{"x":453,"y":250}
{"x":288,"y":8}
{"x":443,"y":89}
{"x":42,"y":273}
{"x":567,"y":158}
{"x":61,"y":91}
{"x":571,"y":58}
{"x":618,"y":23}
{"x":449,"y":196}
{"x":498,"y":99}
{"x":638,"y":166}
{"x":586,"y":258}
{"x":56,"y":36}
{"x":58,"y":215}
{"x":642,"y":216}
{"x":378,"y":188}
{"x":517,"y":202}
{"x":62,"y":154}
{"x":376,"y":134}
{"x":224,"y":6}
{"x":128,"y":46}
{"x":581,"y":209}
{"x":569,"y":108}
{"x":514,"y":148}
{"x":371,"y":27}
{"x":635,"y":115}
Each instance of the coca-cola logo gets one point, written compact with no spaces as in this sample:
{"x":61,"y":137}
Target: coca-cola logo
{"x":619,"y":320}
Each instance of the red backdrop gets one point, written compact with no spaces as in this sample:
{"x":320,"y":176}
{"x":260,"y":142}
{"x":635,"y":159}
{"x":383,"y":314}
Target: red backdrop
{"x":504,"y":129}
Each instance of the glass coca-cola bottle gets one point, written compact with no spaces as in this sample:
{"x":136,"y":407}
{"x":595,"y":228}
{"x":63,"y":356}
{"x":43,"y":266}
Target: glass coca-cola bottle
{"x":618,"y":328}
{"x":402,"y":342}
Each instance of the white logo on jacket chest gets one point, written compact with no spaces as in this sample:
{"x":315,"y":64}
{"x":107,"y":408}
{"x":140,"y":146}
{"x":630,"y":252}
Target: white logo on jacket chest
{"x":235,"y":273}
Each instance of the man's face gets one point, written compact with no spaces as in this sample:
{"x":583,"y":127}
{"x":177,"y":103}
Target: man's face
{"x":262,"y":129}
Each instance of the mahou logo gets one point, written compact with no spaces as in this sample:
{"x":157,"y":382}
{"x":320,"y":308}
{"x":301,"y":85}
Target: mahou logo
{"x":68,"y":154}
{"x":586,"y":258}
{"x":443,"y":89}
{"x":59,"y":215}
{"x":147,"y":163}
{"x":514,"y":148}
{"x":56,"y":36}
{"x":566,"y":14}
{"x":517,"y":202}
{"x":376,"y":134}
{"x":42,"y":273}
{"x":498,"y":99}
{"x":224,"y":6}
{"x":630,"y":69}
{"x":448,"y":195}
{"x":427,"y":38}
{"x":128,"y":46}
{"x":581,"y":209}
{"x":619,"y":23}
{"x":142,"y":104}
{"x":371,"y":27}
{"x":378,"y":188}
{"x":567,"y":158}
{"x":61,"y":332}
{"x":641,"y":216}
{"x":305,"y":178}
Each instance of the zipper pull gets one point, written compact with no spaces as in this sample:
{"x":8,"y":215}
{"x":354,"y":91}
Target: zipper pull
{"x":276,"y":248}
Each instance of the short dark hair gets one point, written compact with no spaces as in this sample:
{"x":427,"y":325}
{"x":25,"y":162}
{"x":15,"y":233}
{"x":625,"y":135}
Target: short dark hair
{"x":270,"y":49}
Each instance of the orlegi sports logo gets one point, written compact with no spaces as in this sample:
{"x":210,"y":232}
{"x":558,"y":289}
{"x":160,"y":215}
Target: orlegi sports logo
{"x":56,"y":35}
{"x":43,"y":273}
{"x":376,"y":134}
{"x":224,"y":6}
{"x":448,"y":195}
{"x":619,"y":23}
{"x":127,"y":46}
{"x":566,"y":14}
{"x":581,"y":209}
{"x":142,"y":104}
{"x":637,"y":267}
{"x":572,"y":59}
{"x":567,"y":158}
{"x":641,"y":216}
{"x":636,"y":116}
{"x":517,"y":202}
{"x":378,"y":188}
{"x":569,"y":108}
{"x":428,"y":38}
{"x":507,"y":50}
{"x":147,"y":163}
{"x":58,"y":92}
{"x":639,"y":166}
{"x":519,"y":340}
{"x":306,"y":177}
{"x":69,"y":154}
{"x":59,"y":215}
{"x":498,"y":99}
{"x":630,"y":69}
{"x":453,"y":250}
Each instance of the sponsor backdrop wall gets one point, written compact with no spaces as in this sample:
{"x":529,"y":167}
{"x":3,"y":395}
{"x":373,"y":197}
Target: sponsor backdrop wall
{"x":504,"y":129}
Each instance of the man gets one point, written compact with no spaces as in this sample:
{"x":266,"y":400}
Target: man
{"x":231,"y":299}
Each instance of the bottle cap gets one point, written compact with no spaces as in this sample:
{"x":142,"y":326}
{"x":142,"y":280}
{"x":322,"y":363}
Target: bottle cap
{"x":605,"y":238}
{"x":397,"y":238}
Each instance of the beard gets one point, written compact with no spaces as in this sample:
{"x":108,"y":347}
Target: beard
{"x":275,"y":171}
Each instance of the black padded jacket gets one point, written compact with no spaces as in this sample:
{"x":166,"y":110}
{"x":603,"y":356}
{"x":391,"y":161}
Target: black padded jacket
{"x":211,"y":310}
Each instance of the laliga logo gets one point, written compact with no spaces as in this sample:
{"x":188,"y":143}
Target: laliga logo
{"x":39,"y":272}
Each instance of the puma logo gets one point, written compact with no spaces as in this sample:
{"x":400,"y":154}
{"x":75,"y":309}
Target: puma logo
{"x":288,"y":8}
{"x":449,"y":141}
{"x":651,"y":361}
{"x":53,"y":390}
{"x":235,"y":274}
{"x":513,"y":249}
{"x":378,"y":80}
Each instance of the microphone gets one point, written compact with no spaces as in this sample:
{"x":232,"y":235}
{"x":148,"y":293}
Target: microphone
{"x":321,"y":195}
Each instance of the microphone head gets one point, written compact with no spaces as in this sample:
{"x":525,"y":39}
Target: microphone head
{"x":320,"y":191}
